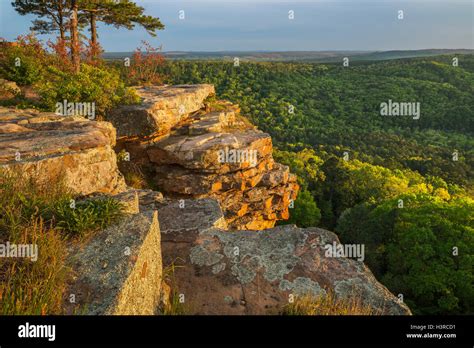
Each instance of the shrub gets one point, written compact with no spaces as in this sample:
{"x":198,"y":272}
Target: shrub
{"x":25,"y":199}
{"x":145,"y":66}
{"x":93,"y":84}
{"x":87,"y":216}
{"x":22,"y":61}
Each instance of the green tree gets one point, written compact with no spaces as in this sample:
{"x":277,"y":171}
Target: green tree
{"x":423,"y":250}
{"x":61,"y":15}
{"x":305,"y":212}
{"x":53,"y":15}
{"x":120,"y":14}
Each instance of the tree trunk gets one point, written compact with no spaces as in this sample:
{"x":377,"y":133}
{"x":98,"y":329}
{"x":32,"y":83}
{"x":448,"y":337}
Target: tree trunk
{"x":94,"y":48}
{"x":62,"y":30}
{"x":75,"y":54}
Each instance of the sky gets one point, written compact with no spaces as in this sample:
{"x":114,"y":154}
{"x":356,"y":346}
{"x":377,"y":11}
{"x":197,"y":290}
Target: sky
{"x":264,"y":25}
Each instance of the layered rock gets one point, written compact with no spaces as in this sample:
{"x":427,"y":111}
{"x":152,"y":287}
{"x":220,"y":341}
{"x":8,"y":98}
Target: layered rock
{"x":161,"y":108}
{"x":72,"y":149}
{"x":220,"y":271}
{"x":211,"y":151}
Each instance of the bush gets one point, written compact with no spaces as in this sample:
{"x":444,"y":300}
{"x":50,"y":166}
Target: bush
{"x":25,"y":199}
{"x":145,"y":66}
{"x":23,"y":61}
{"x":87,"y":216}
{"x":93,"y":84}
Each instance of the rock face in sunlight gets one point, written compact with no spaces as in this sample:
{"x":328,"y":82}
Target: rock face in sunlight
{"x":208,"y":151}
{"x":162,"y":107}
{"x":221,"y":194}
{"x":51,"y":147}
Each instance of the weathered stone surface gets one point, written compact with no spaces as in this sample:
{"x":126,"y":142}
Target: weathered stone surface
{"x":254,"y":191}
{"x":208,"y":152}
{"x":254,"y":272}
{"x":162,"y":107}
{"x":119,"y":271}
{"x":73,"y":149}
{"x":211,"y":152}
{"x":214,"y":122}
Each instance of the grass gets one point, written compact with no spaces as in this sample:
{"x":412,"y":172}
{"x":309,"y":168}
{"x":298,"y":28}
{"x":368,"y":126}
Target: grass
{"x":40,"y":213}
{"x":87,"y":216}
{"x":137,"y":176}
{"x":327,"y":304}
{"x":173,"y":306}
{"x":35,"y":288}
{"x":133,"y":175}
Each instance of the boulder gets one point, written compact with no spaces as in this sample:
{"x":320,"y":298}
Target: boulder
{"x":161,"y":108}
{"x":235,"y":167}
{"x":53,"y":148}
{"x":119,"y":270}
{"x":213,"y":152}
{"x":221,"y":271}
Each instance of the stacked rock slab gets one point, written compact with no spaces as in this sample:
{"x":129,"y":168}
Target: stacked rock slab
{"x":54,"y":148}
{"x":208,"y":151}
{"x":220,"y":271}
{"x":161,"y":108}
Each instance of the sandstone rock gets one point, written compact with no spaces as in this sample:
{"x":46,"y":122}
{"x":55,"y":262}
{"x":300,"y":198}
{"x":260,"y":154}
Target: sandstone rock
{"x":255,"y":272}
{"x":119,"y":271}
{"x":253,"y":194}
{"x":52,"y":147}
{"x":214,"y":122}
{"x":162,"y":107}
{"x":209,"y":151}
{"x":213,"y":152}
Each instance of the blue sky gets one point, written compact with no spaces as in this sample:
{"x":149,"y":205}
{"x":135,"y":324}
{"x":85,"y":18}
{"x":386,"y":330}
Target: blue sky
{"x":244,"y":25}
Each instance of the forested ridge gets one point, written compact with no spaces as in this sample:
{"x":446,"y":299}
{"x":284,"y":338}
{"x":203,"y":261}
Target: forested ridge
{"x":399,"y":185}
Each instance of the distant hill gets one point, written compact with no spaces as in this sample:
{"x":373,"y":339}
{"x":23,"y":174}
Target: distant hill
{"x":306,"y":56}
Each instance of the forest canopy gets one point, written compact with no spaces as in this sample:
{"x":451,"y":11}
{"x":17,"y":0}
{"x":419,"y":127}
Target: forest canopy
{"x":399,"y":185}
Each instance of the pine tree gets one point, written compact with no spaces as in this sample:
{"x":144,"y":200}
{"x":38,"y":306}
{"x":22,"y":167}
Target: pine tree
{"x":53,"y":15}
{"x":120,"y":14}
{"x":72,"y":15}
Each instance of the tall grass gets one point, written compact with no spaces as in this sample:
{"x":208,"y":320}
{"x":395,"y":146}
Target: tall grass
{"x":41,"y":213}
{"x":327,"y":304}
{"x":35,"y":287}
{"x":173,"y":306}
